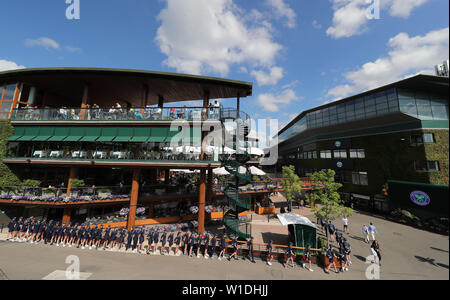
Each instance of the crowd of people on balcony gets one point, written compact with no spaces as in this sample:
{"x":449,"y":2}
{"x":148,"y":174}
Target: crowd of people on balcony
{"x":118,"y":113}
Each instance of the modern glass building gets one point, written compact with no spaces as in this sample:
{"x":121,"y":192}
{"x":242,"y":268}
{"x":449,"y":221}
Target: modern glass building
{"x":395,"y":132}
{"x":114,"y":129}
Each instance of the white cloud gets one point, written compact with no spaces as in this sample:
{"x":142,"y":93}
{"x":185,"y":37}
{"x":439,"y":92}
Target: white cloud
{"x":201,"y":36}
{"x":316,"y":24}
{"x":6,"y":65}
{"x":273,"y":102}
{"x":403,"y":8}
{"x":409,"y":55}
{"x":283,"y":10}
{"x":272,"y":78}
{"x":350,"y":16}
{"x":44,"y":42}
{"x":73,"y":49}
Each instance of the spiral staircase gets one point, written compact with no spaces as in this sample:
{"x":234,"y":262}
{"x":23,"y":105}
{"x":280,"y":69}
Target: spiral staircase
{"x":233,"y":164}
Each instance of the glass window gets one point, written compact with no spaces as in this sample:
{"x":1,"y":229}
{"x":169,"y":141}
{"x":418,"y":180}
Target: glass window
{"x":9,"y":92}
{"x":440,"y":112}
{"x":380,"y":100}
{"x":424,"y":112}
{"x":325,"y":154}
{"x":370,"y":108}
{"x":5,"y":107}
{"x":360,"y":178}
{"x":369,"y":101}
{"x":428,"y":138}
{"x":422,"y":99}
{"x":340,"y":153}
{"x":357,"y":153}
{"x":408,"y":109}
{"x":433,"y":165}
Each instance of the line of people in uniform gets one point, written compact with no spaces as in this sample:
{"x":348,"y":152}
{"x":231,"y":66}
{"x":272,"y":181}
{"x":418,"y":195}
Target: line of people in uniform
{"x":189,"y":243}
{"x":83,"y":236}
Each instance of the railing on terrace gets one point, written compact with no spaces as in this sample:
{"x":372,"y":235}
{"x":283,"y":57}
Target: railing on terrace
{"x":117,"y":114}
{"x":102,"y":154}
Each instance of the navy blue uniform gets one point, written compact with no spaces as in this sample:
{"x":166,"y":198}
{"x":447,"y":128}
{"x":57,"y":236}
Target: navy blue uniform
{"x":156,"y":237}
{"x":42,"y":226}
{"x":222,"y":243}
{"x":178,"y":240}
{"x":129,"y":239}
{"x":11,"y":225}
{"x":163,"y":239}
{"x":135,"y":239}
{"x":170,"y":240}
{"x":150,"y":238}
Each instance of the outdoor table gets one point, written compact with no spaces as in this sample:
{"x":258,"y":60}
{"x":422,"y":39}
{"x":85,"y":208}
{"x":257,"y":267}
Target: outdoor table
{"x":99,"y":154}
{"x":38,"y":153}
{"x":79,"y":154}
{"x":56,"y":154}
{"x":119,"y":155}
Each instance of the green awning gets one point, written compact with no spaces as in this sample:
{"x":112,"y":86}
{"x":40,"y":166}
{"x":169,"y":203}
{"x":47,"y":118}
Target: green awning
{"x":124,"y":135}
{"x":92,"y":134}
{"x":60,"y":134}
{"x":76,"y":134}
{"x":108,"y":134}
{"x":193,"y":135}
{"x":171,"y":136}
{"x":18,"y":133}
{"x":159,"y":134}
{"x":44,"y":134}
{"x":30,"y":133}
{"x":141,"y":134}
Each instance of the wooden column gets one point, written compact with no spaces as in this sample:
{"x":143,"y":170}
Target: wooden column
{"x":311,"y":199}
{"x":84,"y":101}
{"x":15,"y":99}
{"x":73,"y":175}
{"x":151,"y":210}
{"x":67,"y":215}
{"x":209,"y":187}
{"x":134,"y":198}
{"x":201,"y":202}
{"x":205,"y":117}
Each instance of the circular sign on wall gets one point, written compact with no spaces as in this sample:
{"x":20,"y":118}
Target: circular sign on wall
{"x":338,"y":144}
{"x":339,"y":164}
{"x":420,"y":198}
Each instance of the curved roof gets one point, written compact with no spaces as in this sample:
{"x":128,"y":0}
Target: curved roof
{"x":110,"y":85}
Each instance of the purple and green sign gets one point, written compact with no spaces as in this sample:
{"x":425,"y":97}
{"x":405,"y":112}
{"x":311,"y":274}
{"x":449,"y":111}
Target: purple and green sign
{"x":420,"y":198}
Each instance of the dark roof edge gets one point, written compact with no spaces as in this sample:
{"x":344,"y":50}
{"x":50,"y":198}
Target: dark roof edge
{"x":179,"y":76}
{"x":378,"y":89}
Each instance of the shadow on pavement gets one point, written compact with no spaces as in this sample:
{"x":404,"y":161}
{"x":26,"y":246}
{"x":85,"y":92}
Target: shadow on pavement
{"x":277,"y":238}
{"x":363,"y":259}
{"x":437,"y":249}
{"x":431,"y":261}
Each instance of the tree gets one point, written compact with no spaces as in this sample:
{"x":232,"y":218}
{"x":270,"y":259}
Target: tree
{"x":291,"y":184}
{"x":327,"y":194}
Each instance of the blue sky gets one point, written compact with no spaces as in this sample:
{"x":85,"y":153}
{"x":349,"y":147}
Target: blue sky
{"x":298,"y":53}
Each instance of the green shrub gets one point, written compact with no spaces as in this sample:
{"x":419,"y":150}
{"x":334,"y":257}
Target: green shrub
{"x":31,"y":183}
{"x":77,"y":183}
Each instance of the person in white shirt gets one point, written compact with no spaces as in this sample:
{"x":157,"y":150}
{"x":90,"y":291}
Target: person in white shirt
{"x":372,"y":231}
{"x":365,"y":231}
{"x":345,"y":222}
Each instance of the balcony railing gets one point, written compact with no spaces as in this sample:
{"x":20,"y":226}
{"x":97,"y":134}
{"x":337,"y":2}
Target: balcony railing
{"x":117,"y":114}
{"x":170,"y":154}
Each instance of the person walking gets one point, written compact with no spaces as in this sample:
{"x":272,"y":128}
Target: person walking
{"x":345,"y":223}
{"x":365,"y":231}
{"x":235,"y":250}
{"x":331,"y":256}
{"x":331,"y":230}
{"x":372,"y":231}
{"x":308,"y":258}
{"x":250,"y":250}
{"x":376,"y":251}
{"x":289,"y":256}
{"x":223,"y":248}
{"x":269,"y":253}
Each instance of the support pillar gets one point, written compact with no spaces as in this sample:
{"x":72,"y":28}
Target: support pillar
{"x":167,"y":176}
{"x":84,"y":102}
{"x":134,"y":199}
{"x":151,"y":210}
{"x":201,"y":202}
{"x":209,"y":187}
{"x":67,"y":215}
{"x":311,"y":199}
{"x":73,"y":175}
